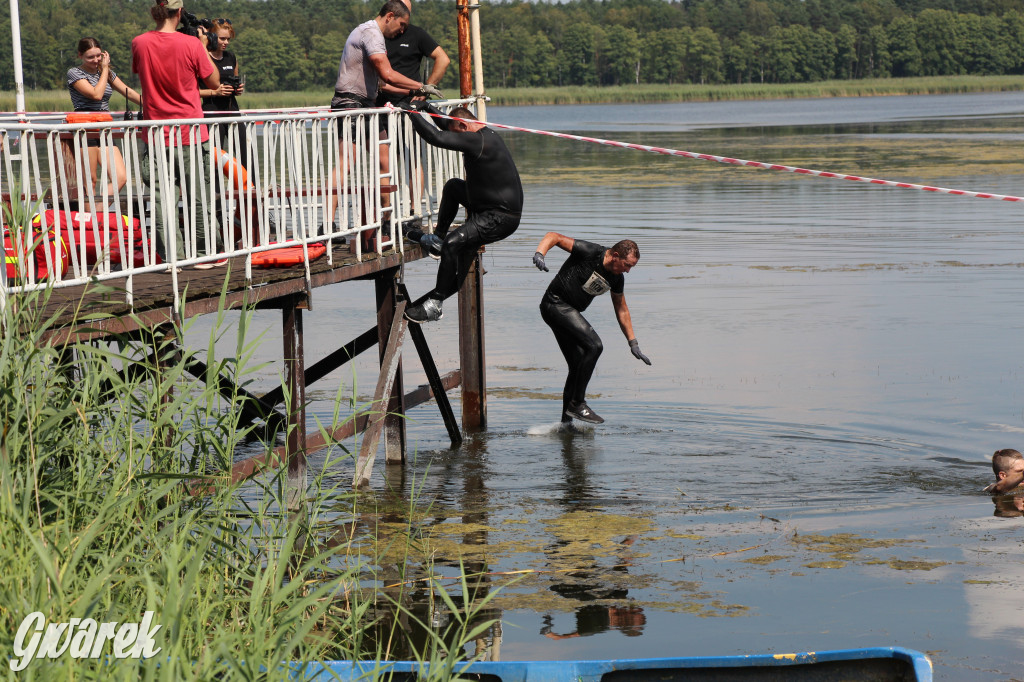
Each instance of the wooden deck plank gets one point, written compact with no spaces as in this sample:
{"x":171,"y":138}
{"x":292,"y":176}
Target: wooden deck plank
{"x":100,"y":309}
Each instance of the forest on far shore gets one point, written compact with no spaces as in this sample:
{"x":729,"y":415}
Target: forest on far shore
{"x":296,"y":44}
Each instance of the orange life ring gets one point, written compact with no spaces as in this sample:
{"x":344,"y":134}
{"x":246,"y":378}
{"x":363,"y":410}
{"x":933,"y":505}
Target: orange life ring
{"x":88,"y":117}
{"x":231,"y":168}
{"x":286,"y":256}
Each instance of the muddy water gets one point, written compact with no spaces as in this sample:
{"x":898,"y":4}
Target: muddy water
{"x":801,"y":467}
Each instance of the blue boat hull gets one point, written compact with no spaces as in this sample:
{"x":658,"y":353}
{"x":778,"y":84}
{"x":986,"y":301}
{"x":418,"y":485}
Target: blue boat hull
{"x":880,"y":664}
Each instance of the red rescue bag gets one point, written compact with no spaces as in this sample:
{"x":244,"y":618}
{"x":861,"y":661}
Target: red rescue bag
{"x":17,"y":249}
{"x":81,"y":226}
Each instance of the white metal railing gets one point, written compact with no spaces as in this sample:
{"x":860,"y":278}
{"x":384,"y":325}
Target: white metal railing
{"x":65,"y":228}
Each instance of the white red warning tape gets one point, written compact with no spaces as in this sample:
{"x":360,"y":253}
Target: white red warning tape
{"x":754,"y":164}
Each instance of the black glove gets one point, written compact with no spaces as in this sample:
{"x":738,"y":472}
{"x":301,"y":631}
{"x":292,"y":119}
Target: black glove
{"x":538,"y":260}
{"x":634,"y":347}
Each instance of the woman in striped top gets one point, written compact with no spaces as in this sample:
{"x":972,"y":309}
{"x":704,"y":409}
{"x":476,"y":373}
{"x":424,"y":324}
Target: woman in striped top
{"x":91,"y":86}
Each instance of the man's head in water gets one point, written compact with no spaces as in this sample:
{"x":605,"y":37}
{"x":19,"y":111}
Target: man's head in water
{"x":622,"y":257}
{"x":1008,"y":466}
{"x":470,"y":125}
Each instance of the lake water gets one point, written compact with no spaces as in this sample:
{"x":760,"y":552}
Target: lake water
{"x":834,"y":363}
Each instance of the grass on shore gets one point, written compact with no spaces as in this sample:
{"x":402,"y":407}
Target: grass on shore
{"x":97,"y":523}
{"x":58,"y":100}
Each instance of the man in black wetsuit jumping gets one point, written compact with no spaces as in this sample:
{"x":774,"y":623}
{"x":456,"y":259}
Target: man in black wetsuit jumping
{"x":590,"y":271}
{"x":491,"y":193}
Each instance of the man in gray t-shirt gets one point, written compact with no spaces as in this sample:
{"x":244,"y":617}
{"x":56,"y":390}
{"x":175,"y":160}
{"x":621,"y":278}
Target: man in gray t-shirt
{"x":363,"y":61}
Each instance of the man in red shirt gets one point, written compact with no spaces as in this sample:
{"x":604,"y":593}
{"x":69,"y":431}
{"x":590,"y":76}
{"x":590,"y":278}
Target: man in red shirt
{"x":170,"y":65}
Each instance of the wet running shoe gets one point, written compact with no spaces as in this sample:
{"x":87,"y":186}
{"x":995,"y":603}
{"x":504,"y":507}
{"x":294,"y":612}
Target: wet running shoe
{"x":583,"y":412}
{"x":432,"y":243}
{"x":428,"y":311}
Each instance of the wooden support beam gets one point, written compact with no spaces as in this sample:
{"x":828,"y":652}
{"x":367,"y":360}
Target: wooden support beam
{"x":381,"y":398}
{"x":253,"y":408}
{"x":357,"y":424}
{"x":472,"y":358}
{"x":419,"y":339}
{"x":295,"y":454}
{"x":394,"y":421}
{"x":325,"y":366}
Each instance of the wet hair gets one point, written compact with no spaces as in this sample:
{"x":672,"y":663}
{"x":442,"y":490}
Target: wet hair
{"x":86,"y":44}
{"x":462,"y":112}
{"x":625,"y":249}
{"x":1002,"y":460}
{"x":219,"y":24}
{"x":396,"y":7}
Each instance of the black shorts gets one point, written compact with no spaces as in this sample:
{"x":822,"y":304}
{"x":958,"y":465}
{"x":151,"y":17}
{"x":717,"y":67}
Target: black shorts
{"x":487,"y":227}
{"x":348,"y":100}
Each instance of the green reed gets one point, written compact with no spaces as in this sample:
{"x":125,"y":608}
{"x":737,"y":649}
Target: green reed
{"x":101,"y":451}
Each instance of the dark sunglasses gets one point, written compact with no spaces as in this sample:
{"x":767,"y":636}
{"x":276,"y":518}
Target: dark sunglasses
{"x":223,"y":21}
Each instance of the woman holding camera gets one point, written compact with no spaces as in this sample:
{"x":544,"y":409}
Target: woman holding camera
{"x":221,"y":101}
{"x":91,"y":86}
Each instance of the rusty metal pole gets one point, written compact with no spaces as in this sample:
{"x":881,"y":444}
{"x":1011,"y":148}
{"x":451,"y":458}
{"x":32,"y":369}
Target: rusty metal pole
{"x":472,"y":358}
{"x":394,"y":424}
{"x":294,"y":368}
{"x":465,"y":53}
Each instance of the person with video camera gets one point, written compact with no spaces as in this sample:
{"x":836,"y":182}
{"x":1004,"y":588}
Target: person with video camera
{"x":219,"y":102}
{"x":170,"y":63}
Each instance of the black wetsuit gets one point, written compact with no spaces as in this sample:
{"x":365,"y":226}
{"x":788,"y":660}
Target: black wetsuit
{"x":579,"y":280}
{"x":492,"y":194}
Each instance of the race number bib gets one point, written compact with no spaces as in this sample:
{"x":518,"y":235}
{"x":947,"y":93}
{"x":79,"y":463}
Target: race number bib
{"x":596,"y":285}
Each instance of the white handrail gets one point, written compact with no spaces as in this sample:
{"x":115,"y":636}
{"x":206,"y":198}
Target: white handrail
{"x":194,"y":206}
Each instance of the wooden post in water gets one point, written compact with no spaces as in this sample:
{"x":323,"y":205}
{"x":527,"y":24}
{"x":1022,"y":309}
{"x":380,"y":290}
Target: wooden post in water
{"x":393,"y":433}
{"x":294,"y":368}
{"x":472,"y":358}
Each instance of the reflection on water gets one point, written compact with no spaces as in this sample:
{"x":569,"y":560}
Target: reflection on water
{"x":800,"y":468}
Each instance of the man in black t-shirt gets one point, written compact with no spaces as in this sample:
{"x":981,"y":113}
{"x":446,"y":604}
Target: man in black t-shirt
{"x":590,"y":271}
{"x":405,"y":53}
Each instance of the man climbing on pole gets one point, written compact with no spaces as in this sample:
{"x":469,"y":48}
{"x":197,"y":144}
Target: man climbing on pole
{"x":589,"y":271}
{"x":491,"y":193}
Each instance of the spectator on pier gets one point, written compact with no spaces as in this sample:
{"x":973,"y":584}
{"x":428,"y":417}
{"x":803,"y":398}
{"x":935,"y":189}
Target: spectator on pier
{"x":589,"y":271}
{"x":1008,"y":466}
{"x":221,"y":101}
{"x":91,"y":86}
{"x":364,"y":62}
{"x":170,"y":66}
{"x":406,"y":52}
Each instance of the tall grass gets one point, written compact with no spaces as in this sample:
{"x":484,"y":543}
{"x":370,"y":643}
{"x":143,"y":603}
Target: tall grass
{"x":97,"y":520}
{"x":57,"y":100}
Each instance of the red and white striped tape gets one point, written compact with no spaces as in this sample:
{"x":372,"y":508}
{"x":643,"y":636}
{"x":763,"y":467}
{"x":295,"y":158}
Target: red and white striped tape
{"x":756,"y":164}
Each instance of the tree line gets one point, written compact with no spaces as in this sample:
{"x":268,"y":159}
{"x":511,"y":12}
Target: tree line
{"x":296,"y":44}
